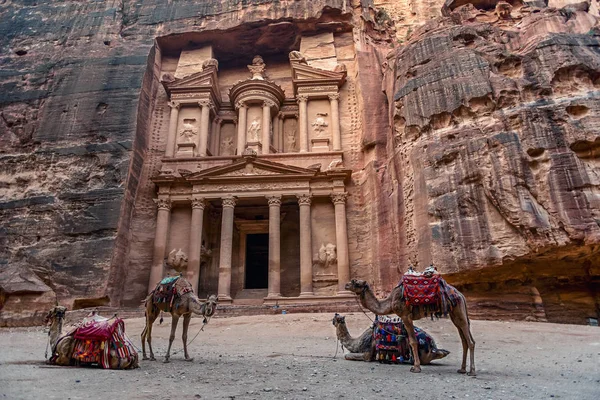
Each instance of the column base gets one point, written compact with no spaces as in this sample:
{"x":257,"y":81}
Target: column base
{"x":223,"y":298}
{"x":307,"y":294}
{"x":345,"y":293}
{"x":273,"y":296}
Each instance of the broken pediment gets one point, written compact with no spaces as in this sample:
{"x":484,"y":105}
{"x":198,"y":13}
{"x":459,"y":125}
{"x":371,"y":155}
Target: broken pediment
{"x":305,"y":75}
{"x":203,"y":81}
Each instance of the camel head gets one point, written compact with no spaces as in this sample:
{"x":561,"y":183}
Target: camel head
{"x":439,"y":353}
{"x":357,"y":286}
{"x":338,"y":320}
{"x":210,"y":306}
{"x":57,"y":313}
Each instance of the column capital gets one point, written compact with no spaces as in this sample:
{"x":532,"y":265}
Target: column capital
{"x":199,"y":202}
{"x":339,"y":198}
{"x":274,"y":200}
{"x":163,"y":204}
{"x":268,"y":103}
{"x":301,"y":98}
{"x":280,"y":115}
{"x":240,"y":104}
{"x":174,"y":104}
{"x":205,"y":103}
{"x":304,"y":199}
{"x":218,"y":120}
{"x":334,"y":96}
{"x":229,"y":202}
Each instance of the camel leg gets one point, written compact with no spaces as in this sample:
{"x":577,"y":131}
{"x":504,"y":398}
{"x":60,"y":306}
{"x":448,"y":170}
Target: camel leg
{"x":147,"y":335}
{"x":186,"y":323}
{"x":174,"y":321}
{"x":414,"y":344}
{"x":460,"y":319}
{"x":358,"y":356}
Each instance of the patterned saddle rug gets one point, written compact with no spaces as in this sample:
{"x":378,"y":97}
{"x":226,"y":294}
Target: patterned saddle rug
{"x":95,"y":338}
{"x":391,"y":341}
{"x":169,"y":289}
{"x":430,"y":294}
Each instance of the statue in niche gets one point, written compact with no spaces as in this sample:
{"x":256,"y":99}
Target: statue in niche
{"x":320,"y":124}
{"x":227,"y":146}
{"x":254,"y":131}
{"x":291,"y":140}
{"x":257,"y":69}
{"x":327,"y":256}
{"x":188,"y":131}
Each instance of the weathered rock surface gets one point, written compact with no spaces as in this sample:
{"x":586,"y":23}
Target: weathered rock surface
{"x":496,"y":132}
{"x":475,"y":145}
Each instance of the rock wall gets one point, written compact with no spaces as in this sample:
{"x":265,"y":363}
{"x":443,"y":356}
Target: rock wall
{"x":496,"y":133}
{"x":475,"y":145}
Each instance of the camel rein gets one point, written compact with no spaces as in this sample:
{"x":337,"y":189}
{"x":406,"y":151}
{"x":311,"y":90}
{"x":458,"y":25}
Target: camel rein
{"x":367,"y":315}
{"x":206,"y":319}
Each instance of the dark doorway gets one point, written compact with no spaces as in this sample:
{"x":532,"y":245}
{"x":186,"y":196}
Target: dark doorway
{"x":257,"y":261}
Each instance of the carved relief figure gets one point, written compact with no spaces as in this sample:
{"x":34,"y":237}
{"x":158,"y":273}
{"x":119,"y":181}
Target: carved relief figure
{"x":254,"y":131}
{"x":327,"y":256}
{"x":291,"y":140}
{"x":188,"y":131}
{"x":320,"y":124}
{"x":227,"y":146}
{"x":257,"y":69}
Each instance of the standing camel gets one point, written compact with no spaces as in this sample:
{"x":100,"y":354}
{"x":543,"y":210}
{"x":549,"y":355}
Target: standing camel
{"x":394,"y":303}
{"x":184,"y":304}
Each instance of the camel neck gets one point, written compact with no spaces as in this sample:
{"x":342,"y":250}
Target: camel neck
{"x":55,"y":331}
{"x":379,"y":307}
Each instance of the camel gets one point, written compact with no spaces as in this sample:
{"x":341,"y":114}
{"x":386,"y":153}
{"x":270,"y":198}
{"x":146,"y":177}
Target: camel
{"x":395,"y":304}
{"x":63,"y":345}
{"x":184,"y":305}
{"x":362,"y":348}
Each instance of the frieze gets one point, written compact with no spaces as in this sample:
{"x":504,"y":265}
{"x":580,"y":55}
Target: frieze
{"x":191,"y":95}
{"x":249,"y":170}
{"x":317,"y":89}
{"x":258,"y":93}
{"x":250,"y":187}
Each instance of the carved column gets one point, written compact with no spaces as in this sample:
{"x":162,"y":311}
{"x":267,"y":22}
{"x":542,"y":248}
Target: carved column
{"x":204,"y":123}
{"x":274,"y":246}
{"x":335,"y":121}
{"x":216,"y":136}
{"x":281,"y":135}
{"x":172,"y":137}
{"x":266,"y":127}
{"x":306,"y":272}
{"x":241,"y":136}
{"x":303,"y":122}
{"x":341,"y":238}
{"x":193,"y":271}
{"x":275,"y":124}
{"x":160,"y":241}
{"x":224,"y":292}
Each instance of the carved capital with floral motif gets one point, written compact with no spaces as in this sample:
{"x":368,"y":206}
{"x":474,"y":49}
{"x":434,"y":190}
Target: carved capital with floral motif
{"x":240,"y":104}
{"x":334,"y":96}
{"x":229,"y":202}
{"x":339,"y":198}
{"x":205,"y":103}
{"x":268,"y":104}
{"x":163,"y":204}
{"x":174,"y":104}
{"x":274,"y":201}
{"x":198,"y":203}
{"x":301,"y":98}
{"x":304,"y":199}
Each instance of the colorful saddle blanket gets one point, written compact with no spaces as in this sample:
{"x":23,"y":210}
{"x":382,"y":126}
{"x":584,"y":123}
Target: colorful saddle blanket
{"x":391,"y":341}
{"x":95,"y":338}
{"x":432,"y":294}
{"x":168,"y":290}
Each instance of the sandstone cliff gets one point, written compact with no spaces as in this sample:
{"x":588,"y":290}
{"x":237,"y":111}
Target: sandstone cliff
{"x":475,"y":145}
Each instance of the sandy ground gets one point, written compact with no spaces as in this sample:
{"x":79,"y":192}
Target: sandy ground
{"x":291,"y":356}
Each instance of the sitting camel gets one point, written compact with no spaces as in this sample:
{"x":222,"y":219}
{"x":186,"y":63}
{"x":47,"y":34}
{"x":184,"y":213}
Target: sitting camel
{"x":184,"y":304}
{"x":363,"y":347}
{"x":63,"y":345}
{"x":394,"y":303}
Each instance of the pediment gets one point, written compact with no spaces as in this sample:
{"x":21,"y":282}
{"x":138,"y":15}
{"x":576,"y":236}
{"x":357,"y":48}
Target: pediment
{"x":198,"y":79}
{"x":303,"y":72}
{"x":251,"y":167}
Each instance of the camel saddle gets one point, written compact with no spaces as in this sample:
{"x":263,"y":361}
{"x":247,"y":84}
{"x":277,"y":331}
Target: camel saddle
{"x":169,"y":290}
{"x":431,"y":293}
{"x":391,"y":341}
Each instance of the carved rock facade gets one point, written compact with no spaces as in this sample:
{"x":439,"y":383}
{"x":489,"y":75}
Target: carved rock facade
{"x":472,"y":144}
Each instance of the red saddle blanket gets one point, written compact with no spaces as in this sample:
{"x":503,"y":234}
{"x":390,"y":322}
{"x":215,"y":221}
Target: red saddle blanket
{"x":420,"y":290}
{"x":97,"y":328}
